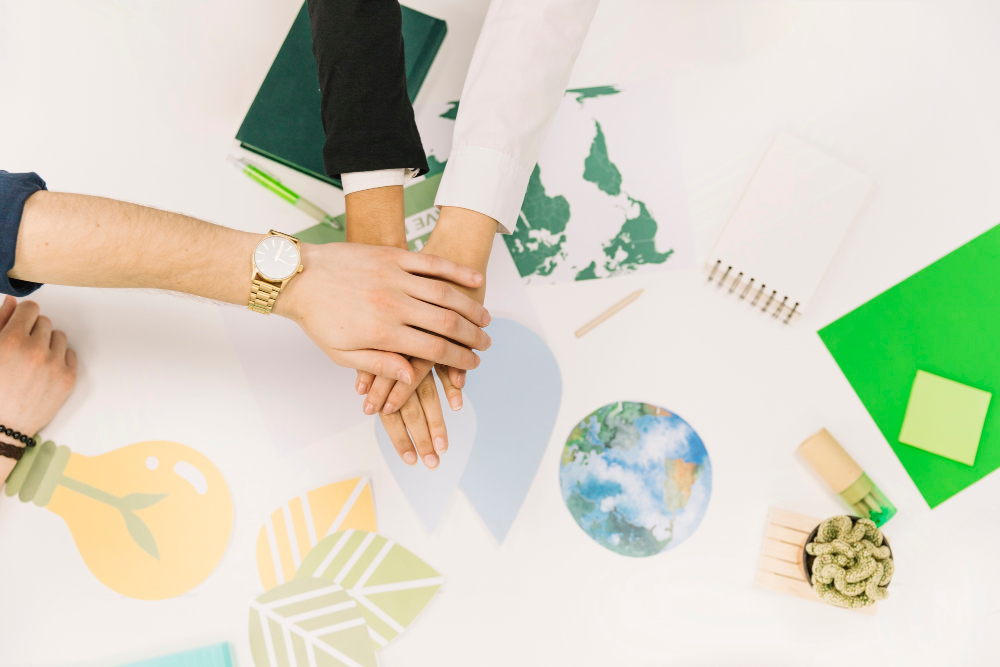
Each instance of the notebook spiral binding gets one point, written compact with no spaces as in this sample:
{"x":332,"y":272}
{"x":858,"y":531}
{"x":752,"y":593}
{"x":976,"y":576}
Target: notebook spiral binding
{"x":757,"y":294}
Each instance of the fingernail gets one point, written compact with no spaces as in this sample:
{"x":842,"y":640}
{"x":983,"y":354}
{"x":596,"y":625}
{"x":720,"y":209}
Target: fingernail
{"x":431,"y":461}
{"x":369,"y":408}
{"x":489,"y":342}
{"x":409,"y":458}
{"x":455,"y":402}
{"x":477,"y":278}
{"x":388,"y":408}
{"x":440,"y":445}
{"x":403,"y":377}
{"x":487,"y":318}
{"x":461,"y":381}
{"x":359,"y":387}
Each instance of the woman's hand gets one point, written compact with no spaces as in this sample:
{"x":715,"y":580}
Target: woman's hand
{"x":38,"y":371}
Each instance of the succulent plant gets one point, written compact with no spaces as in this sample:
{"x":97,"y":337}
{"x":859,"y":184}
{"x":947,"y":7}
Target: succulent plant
{"x":853,"y":565}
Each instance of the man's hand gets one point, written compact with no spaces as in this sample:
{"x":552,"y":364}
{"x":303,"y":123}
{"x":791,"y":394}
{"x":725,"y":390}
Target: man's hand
{"x":364,"y":306}
{"x":38,"y":371}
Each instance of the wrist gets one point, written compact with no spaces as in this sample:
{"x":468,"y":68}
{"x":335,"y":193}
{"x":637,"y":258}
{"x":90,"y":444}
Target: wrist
{"x":15,"y":438}
{"x":464,"y":236}
{"x":375,"y":217}
{"x":289,"y":302}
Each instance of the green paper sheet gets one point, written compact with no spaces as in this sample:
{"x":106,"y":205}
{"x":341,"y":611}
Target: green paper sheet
{"x":944,"y":320}
{"x":945,"y":417}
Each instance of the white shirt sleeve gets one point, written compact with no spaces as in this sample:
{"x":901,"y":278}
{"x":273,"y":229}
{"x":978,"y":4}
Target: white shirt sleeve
{"x":514,"y":87}
{"x":367,"y":180}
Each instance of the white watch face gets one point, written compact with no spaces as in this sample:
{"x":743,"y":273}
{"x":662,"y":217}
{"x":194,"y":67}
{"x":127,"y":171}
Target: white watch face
{"x":277,"y":258}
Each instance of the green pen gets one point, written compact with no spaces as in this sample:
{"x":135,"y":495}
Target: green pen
{"x":283,"y":191}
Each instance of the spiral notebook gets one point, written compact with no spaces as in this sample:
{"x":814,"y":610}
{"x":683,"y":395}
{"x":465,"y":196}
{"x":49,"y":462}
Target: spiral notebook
{"x":787,"y":227}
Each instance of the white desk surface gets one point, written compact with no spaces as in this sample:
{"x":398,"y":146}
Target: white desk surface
{"x":140,"y":99}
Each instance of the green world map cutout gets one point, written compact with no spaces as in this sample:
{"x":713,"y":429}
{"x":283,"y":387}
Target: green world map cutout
{"x":606,"y":197}
{"x":583,"y":217}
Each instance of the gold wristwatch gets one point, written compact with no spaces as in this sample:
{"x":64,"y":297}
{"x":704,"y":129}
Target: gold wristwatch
{"x":275,"y":261}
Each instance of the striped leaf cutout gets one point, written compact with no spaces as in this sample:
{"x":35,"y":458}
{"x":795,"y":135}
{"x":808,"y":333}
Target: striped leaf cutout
{"x":296,"y":527}
{"x":309,"y":623}
{"x":391,"y":585}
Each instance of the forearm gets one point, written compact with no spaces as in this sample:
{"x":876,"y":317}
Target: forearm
{"x":375,"y":217}
{"x":69,"y":239}
{"x":365,"y":107}
{"x":514,"y":87}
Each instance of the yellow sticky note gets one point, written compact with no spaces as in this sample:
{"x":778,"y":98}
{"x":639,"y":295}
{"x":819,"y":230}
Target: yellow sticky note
{"x":945,"y":417}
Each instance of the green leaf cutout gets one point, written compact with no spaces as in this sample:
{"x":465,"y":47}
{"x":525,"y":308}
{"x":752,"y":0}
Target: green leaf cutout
{"x":309,"y":622}
{"x":138,"y":501}
{"x":391,"y":585}
{"x":140,"y":532}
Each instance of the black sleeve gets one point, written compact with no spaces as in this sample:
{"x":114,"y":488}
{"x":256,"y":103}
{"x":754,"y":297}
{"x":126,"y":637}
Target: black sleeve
{"x":14,"y":191}
{"x":367,"y":115}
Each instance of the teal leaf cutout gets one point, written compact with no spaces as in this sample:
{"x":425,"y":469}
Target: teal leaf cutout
{"x":140,"y":532}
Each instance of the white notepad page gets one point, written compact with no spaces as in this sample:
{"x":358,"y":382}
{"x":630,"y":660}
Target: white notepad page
{"x":787,"y":227}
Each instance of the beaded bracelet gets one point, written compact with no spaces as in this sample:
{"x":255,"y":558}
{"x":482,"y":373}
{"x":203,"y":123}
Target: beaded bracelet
{"x":17,"y":435}
{"x":11,"y":451}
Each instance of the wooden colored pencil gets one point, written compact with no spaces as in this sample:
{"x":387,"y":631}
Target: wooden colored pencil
{"x":608,"y":313}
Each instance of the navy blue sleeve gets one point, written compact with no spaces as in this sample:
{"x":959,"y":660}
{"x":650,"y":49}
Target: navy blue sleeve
{"x":14,"y":191}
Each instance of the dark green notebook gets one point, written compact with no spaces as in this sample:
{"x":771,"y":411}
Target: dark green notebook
{"x":284,"y":122}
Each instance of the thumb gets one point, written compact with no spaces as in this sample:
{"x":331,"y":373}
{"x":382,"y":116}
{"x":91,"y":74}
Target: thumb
{"x":381,"y":364}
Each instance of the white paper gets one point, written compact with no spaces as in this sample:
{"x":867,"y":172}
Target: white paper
{"x":789,"y":224}
{"x":609,"y":159}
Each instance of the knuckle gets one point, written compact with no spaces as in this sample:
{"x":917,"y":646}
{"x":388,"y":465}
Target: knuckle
{"x":67,"y":379}
{"x":426,"y":390}
{"x":9,"y":344}
{"x":437,"y":348}
{"x":37,"y":355}
{"x":440,"y":291}
{"x":410,"y":411}
{"x":450,"y":322}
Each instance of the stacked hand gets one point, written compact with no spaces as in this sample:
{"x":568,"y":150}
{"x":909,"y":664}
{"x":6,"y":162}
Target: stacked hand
{"x":411,"y":411}
{"x":356,"y":301}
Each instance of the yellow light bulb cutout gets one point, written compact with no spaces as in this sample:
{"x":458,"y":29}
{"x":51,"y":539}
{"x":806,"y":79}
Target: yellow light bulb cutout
{"x":151,"y":520}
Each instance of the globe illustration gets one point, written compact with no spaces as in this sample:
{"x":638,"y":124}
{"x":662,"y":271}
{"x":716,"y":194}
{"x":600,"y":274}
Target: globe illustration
{"x":636,"y":478}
